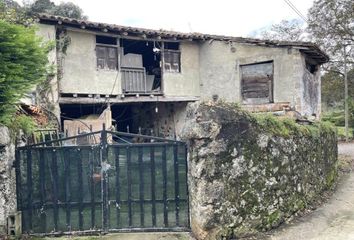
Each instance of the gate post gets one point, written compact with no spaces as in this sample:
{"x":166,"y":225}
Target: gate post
{"x":104,"y":158}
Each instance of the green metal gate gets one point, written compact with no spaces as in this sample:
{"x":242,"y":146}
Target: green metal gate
{"x":115,"y":185}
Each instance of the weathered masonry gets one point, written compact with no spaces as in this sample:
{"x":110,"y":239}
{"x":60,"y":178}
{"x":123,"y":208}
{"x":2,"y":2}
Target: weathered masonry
{"x":156,"y":73}
{"x":249,"y":174}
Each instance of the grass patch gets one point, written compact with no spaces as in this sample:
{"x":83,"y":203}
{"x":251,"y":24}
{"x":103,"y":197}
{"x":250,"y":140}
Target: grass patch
{"x":287,"y":127}
{"x":341,"y":133}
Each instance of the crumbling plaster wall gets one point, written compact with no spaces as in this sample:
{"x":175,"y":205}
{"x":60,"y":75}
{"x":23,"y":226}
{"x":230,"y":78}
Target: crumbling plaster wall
{"x":7,"y":179}
{"x":48,"y":35}
{"x":310,"y":91}
{"x":80,"y":72}
{"x":248,"y":175}
{"x":220,"y":70}
{"x":81,"y":75}
{"x":185,"y":83}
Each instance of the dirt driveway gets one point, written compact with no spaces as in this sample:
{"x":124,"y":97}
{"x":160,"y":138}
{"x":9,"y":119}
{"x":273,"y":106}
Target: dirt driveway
{"x":332,"y":221}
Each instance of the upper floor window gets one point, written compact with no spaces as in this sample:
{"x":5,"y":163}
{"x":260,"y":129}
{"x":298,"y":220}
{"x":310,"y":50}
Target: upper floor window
{"x":106,"y":52}
{"x":172,"y":57}
{"x":257,"y":83}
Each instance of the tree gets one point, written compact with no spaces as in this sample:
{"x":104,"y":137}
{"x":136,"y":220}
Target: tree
{"x":69,"y":9}
{"x":286,"y":30}
{"x":11,"y":11}
{"x":23,"y":64}
{"x":65,"y":9}
{"x":331,"y":23}
{"x":40,"y":6}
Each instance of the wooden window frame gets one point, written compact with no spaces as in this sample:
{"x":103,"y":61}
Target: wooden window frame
{"x":171,"y":64}
{"x":106,"y":58}
{"x":250,"y":101}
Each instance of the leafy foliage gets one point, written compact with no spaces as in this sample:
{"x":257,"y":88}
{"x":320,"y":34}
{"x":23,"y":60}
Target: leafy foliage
{"x":69,"y":9}
{"x":65,"y":9}
{"x":333,"y":88}
{"x":23,"y":122}
{"x":331,"y":23}
{"x":23,"y":64}
{"x":286,"y":30}
{"x":11,"y":11}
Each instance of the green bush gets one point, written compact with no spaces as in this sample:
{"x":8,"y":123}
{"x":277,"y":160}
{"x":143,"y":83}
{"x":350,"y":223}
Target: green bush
{"x":23,"y":64}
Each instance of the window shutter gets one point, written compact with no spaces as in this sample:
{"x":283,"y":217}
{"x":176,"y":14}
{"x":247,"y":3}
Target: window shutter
{"x":112,"y":58}
{"x":257,"y":83}
{"x":172,"y":61}
{"x":101,"y":57}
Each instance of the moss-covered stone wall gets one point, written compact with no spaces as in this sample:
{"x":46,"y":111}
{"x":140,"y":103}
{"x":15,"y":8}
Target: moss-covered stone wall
{"x":248,"y":173}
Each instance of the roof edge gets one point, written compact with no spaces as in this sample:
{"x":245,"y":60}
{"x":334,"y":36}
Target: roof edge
{"x":310,"y":48}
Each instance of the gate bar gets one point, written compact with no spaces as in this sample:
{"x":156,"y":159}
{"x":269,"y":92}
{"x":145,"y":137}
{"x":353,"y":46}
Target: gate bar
{"x":29,"y":187}
{"x":42,"y":188}
{"x":141,"y":185}
{"x":55,"y":189}
{"x":67,"y":188}
{"x":129,"y":182}
{"x":92,"y":188}
{"x":117,"y":187}
{"x":164,"y":187}
{"x":59,"y":140}
{"x":142,"y":136}
{"x":153,"y":197}
{"x":80,"y":193}
{"x":176,"y":170}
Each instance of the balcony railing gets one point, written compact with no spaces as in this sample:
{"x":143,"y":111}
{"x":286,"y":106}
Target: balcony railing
{"x":135,"y":80}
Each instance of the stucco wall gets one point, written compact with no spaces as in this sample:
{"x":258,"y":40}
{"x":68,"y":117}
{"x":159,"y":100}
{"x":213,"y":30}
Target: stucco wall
{"x":80,"y":73}
{"x":310,"y":91}
{"x":220,"y":70}
{"x":48,"y":33}
{"x":185,"y":83}
{"x":207,"y":68}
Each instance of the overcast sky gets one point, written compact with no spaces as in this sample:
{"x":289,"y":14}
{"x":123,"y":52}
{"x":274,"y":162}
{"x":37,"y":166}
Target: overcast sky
{"x":227,"y":17}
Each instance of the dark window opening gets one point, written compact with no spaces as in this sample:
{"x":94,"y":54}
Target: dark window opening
{"x":312,"y":68}
{"x":171,"y":45}
{"x":106,"y":40}
{"x":107,"y":56}
{"x":257,"y":83}
{"x":140,"y":66}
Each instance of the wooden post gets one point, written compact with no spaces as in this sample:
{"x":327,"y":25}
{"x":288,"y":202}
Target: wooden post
{"x":346,"y":110}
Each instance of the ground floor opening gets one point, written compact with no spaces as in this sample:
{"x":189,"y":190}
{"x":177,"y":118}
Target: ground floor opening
{"x":162,"y":119}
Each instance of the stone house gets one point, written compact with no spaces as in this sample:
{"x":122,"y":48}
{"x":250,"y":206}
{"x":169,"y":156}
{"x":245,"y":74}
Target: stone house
{"x":149,"y":76}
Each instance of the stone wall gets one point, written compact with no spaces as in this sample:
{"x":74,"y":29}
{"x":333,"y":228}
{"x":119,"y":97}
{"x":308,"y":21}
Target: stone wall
{"x":248,"y":174}
{"x":7,"y":178}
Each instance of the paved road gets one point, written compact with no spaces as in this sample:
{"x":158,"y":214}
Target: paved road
{"x":334,"y":220}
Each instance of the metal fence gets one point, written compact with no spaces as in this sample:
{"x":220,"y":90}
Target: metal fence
{"x":133,"y":183}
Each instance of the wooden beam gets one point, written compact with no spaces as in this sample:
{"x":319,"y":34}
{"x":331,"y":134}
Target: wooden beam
{"x":134,"y":99}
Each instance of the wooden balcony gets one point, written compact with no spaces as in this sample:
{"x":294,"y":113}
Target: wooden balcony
{"x":135,"y":80}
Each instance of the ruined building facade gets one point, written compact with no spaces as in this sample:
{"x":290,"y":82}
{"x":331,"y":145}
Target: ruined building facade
{"x":148,"y":77}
